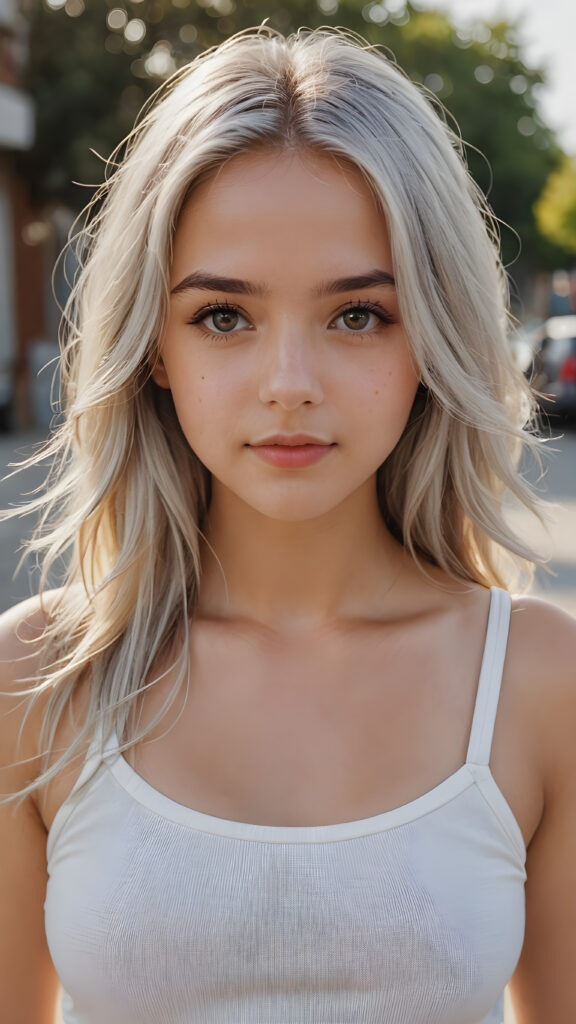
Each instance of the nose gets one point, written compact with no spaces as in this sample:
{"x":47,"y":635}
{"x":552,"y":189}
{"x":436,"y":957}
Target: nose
{"x":289,"y":370}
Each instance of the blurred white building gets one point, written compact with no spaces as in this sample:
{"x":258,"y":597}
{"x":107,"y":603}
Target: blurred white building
{"x":16,"y":134}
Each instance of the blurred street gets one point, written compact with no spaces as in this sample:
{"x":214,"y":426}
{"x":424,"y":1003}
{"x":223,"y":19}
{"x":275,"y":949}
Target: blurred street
{"x":559,"y":543}
{"x":13,"y":491}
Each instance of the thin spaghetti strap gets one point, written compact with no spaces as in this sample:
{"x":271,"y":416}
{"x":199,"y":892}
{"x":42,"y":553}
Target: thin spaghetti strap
{"x":490,"y":678}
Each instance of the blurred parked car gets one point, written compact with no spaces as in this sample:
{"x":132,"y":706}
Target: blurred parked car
{"x":554,"y":366}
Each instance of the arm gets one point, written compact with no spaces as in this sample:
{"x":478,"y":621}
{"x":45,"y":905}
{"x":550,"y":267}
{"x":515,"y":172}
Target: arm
{"x":28,"y":981}
{"x":543,"y":987}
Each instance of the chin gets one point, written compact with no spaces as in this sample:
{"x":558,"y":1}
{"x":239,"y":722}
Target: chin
{"x":295,"y":511}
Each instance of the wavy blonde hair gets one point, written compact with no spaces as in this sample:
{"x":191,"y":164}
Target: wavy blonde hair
{"x":126,"y":496}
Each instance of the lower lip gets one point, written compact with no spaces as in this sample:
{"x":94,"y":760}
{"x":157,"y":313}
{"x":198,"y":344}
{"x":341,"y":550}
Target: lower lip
{"x":292,"y":455}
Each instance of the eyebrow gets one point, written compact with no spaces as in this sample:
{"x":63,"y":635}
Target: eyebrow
{"x":203,"y":280}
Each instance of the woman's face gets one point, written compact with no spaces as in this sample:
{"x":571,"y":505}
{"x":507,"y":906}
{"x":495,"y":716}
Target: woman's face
{"x":284,"y":319}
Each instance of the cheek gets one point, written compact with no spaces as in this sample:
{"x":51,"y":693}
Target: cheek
{"x":405,"y":384}
{"x":393,"y":386}
{"x":392,"y":393}
{"x":206,"y":409}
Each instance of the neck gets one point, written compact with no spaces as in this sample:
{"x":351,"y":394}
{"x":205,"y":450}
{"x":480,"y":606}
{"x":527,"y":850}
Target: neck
{"x":297,"y":576}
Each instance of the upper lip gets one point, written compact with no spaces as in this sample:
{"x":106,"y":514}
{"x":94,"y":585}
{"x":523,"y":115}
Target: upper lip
{"x":290,"y":439}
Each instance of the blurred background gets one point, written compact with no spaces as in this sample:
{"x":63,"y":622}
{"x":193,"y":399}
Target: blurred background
{"x":74,"y":74}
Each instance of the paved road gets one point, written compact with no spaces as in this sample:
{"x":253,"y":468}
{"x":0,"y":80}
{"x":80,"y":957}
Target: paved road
{"x":558,"y":540}
{"x":13,"y":448}
{"x":558,"y":486}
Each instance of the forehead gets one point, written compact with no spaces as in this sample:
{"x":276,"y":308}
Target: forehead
{"x":269,"y":168}
{"x":281,"y":206}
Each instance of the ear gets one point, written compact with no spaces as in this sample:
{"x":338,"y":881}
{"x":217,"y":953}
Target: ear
{"x":159,"y":374}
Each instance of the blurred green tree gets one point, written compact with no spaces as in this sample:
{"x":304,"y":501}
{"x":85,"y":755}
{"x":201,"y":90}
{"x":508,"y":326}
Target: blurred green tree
{"x":94,"y":62}
{"x":556,"y":208}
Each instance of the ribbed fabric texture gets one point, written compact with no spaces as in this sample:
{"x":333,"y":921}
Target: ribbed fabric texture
{"x":159,"y":914}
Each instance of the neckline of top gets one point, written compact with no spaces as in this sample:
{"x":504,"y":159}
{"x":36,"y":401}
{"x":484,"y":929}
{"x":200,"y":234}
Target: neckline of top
{"x":182,"y":814}
{"x":442,"y":793}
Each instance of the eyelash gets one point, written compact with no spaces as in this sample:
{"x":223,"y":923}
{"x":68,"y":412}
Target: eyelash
{"x":215,"y":307}
{"x":385,"y":318}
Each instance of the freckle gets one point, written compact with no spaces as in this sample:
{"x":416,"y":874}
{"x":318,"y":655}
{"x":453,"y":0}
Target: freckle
{"x":203,"y":378}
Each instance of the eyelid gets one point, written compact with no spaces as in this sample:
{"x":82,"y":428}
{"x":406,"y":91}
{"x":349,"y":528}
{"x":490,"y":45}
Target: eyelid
{"x":216,"y":307}
{"x":370,"y":306}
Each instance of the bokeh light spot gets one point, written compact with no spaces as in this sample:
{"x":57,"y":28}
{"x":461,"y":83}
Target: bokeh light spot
{"x":463,"y":38}
{"x":481,"y":33}
{"x":483,"y":74}
{"x":36,"y":232}
{"x":135,"y":31}
{"x":160,"y":63}
{"x":402,"y":18}
{"x":499,"y":49}
{"x":223,"y":6}
{"x":188,"y":33}
{"x":526,"y":126}
{"x":519,"y":84}
{"x":376,"y":13}
{"x":117,"y":19}
{"x":138,"y":69}
{"x":434,"y":82}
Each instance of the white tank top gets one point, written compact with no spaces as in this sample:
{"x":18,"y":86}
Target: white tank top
{"x":160,"y":914}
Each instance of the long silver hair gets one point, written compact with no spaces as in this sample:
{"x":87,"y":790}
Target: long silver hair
{"x":126,"y":497}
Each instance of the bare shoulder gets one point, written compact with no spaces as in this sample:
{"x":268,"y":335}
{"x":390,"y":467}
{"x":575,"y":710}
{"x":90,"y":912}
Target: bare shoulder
{"x":28,"y":981}
{"x":21,"y":646}
{"x":541,"y":663}
{"x":543,"y":641}
{"x":21,"y":636}
{"x":30,"y":614}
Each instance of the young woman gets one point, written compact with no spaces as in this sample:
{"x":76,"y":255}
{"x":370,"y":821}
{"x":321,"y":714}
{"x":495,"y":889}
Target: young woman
{"x":276,"y":748}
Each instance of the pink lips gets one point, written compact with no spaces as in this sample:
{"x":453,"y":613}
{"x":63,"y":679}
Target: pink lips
{"x":291,"y":455}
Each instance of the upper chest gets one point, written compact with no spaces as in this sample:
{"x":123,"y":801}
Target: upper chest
{"x":317,"y":731}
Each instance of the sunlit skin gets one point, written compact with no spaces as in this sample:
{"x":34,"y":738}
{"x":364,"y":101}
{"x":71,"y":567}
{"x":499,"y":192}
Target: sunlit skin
{"x":299,"y":546}
{"x":331,"y":681}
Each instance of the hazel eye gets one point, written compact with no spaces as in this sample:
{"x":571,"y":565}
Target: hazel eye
{"x":220,"y":319}
{"x":225,"y":320}
{"x":362,"y":318}
{"x":358,"y":319}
